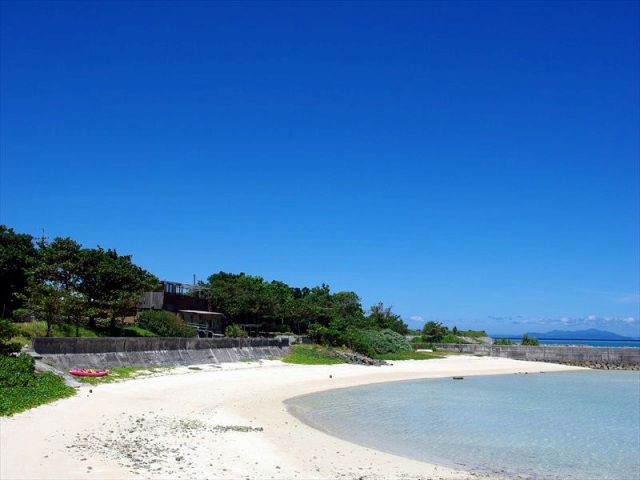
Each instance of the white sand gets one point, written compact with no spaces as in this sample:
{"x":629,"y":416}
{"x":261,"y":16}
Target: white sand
{"x":226,"y":422}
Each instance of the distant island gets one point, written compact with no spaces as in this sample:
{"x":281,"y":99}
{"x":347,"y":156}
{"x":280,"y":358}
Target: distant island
{"x":590,"y":334}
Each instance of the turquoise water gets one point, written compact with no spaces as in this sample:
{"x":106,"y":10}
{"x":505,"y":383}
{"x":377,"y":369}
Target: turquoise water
{"x":570,"y":425}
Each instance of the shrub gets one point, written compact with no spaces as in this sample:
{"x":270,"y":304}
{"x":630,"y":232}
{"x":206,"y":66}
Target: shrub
{"x":164,"y":324}
{"x":434,"y":332}
{"x":235,"y":331}
{"x":377,"y":342}
{"x":503,"y":341}
{"x":527,"y":340}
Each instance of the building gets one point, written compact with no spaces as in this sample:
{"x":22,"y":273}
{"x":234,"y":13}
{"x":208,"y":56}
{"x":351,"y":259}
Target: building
{"x":189,"y":303}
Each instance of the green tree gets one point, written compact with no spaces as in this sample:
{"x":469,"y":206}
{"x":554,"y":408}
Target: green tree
{"x":45,"y":300}
{"x":384,"y":318}
{"x":347,"y":306}
{"x":52,"y":291}
{"x":17,"y":255}
{"x":434,"y":332}
{"x":122,"y":283}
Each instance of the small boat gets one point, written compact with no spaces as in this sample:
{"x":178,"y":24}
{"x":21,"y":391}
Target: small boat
{"x":88,"y":372}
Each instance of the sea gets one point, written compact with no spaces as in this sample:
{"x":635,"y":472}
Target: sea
{"x":592,"y":343}
{"x":582,"y":425}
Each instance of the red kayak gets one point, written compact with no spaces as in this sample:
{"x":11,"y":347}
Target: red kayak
{"x":90,"y":372}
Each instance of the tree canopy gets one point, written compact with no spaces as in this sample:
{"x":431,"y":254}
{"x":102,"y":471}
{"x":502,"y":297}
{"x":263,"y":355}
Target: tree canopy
{"x":64,"y":280}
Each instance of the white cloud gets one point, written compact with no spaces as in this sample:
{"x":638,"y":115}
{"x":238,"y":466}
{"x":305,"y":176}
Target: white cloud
{"x":416,"y":318}
{"x":590,"y":321}
{"x":629,"y":320}
{"x":629,"y":298}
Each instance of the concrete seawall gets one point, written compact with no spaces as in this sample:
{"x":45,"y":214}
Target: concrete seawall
{"x":71,"y":352}
{"x":598,"y":357}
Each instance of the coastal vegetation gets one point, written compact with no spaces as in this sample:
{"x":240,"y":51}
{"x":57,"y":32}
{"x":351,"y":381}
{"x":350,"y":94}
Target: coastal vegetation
{"x":313,"y":355}
{"x":527,"y":340}
{"x":163,"y":324}
{"x":21,"y":387}
{"x":74,"y":290}
{"x":235,"y":331}
{"x":434,"y":332}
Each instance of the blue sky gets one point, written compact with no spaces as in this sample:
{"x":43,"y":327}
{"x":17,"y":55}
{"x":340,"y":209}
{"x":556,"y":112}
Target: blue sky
{"x":472,"y":163}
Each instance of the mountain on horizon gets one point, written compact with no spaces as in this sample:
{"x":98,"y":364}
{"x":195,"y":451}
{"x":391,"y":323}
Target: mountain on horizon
{"x":590,"y":334}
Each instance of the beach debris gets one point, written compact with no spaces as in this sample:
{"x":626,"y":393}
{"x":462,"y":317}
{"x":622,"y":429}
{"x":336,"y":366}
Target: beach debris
{"x":458,"y":378}
{"x":139,"y":444}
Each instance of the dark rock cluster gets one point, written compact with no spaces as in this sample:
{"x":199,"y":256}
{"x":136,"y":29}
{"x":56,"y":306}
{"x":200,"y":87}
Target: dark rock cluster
{"x":359,"y":359}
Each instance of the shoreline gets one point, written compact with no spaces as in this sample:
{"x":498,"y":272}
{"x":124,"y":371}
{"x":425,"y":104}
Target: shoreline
{"x":226,"y":421}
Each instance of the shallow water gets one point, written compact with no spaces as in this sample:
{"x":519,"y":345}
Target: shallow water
{"x":571,"y":425}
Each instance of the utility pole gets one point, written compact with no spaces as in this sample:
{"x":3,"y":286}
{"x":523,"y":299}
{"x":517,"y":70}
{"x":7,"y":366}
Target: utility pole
{"x":43,"y":239}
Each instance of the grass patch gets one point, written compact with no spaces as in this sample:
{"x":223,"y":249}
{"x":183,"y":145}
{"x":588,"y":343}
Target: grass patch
{"x":119,"y":374}
{"x":39,"y":329}
{"x":313,"y":355}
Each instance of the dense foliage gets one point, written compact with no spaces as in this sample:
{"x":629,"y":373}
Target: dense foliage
{"x":278,"y":308}
{"x":17,"y":255}
{"x":164,"y":324}
{"x":235,"y":331}
{"x":62,"y":281}
{"x":8,"y":332}
{"x":379,"y":342}
{"x":434,"y":332}
{"x":21,"y":388}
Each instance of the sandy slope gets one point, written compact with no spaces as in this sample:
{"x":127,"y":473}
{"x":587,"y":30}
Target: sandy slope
{"x":224,"y":421}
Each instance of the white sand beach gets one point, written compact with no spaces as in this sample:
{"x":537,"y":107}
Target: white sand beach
{"x":223,"y":422}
